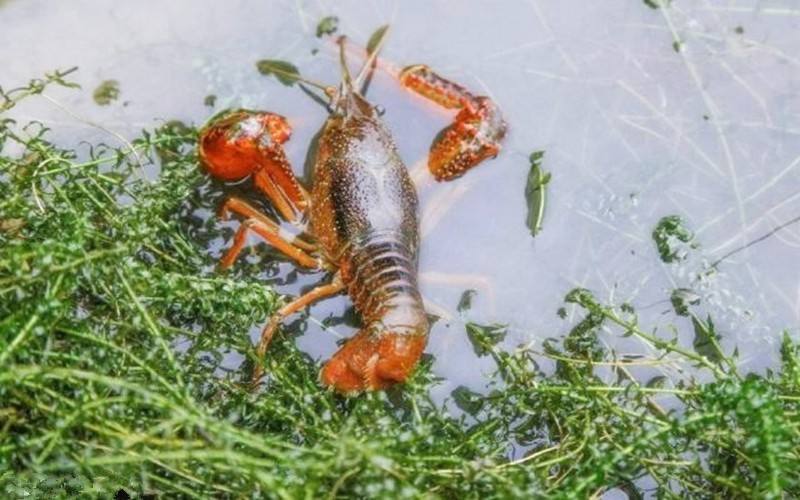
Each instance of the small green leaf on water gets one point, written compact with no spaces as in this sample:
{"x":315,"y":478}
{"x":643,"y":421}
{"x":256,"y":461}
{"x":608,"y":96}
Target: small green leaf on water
{"x":465,"y":302}
{"x":535,"y":192}
{"x":286,"y":73}
{"x":376,"y":39}
{"x":327,"y":26}
{"x":485,"y":337}
{"x":582,"y":297}
{"x":469,"y":401}
{"x":681,"y":299}
{"x":106,"y":92}
{"x":655,"y":4}
{"x":668,"y":232}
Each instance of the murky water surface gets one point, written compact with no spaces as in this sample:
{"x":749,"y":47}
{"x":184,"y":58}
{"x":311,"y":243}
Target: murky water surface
{"x":691,"y":110}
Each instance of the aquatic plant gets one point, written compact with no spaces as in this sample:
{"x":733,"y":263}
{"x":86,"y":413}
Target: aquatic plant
{"x":114,"y":327}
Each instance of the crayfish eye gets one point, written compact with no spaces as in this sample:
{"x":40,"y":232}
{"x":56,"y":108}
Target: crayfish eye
{"x":235,"y":144}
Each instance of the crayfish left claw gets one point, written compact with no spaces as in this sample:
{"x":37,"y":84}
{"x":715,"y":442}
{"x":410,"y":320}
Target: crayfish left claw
{"x":474,"y":135}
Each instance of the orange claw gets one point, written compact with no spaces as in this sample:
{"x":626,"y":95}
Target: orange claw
{"x":243,"y":142}
{"x":475,"y":134}
{"x":371,"y":361}
{"x":239,"y":142}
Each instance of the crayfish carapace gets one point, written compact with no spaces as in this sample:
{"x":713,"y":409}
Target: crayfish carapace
{"x":359,"y":221}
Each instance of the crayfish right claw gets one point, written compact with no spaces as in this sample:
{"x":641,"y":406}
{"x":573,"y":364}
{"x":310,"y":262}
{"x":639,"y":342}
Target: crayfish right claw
{"x":373,"y":362}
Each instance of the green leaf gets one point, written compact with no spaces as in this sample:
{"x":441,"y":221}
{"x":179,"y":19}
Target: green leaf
{"x":485,"y":337}
{"x":668,"y":232}
{"x":465,"y":302}
{"x":657,"y":4}
{"x":705,"y":339}
{"x":469,"y":401}
{"x":327,"y":26}
{"x":582,"y":341}
{"x":582,"y":297}
{"x":286,"y":73}
{"x":376,"y":39}
{"x":536,"y":193}
{"x":681,"y":299}
{"x":106,"y":92}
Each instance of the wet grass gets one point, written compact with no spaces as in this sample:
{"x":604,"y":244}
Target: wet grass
{"x":114,"y":324}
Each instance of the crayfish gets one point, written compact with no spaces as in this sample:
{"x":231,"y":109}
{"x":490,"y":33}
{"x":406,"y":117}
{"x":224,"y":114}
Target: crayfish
{"x":359,"y":218}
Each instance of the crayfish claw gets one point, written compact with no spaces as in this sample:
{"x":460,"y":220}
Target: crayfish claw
{"x":474,"y":136}
{"x":373,"y":362}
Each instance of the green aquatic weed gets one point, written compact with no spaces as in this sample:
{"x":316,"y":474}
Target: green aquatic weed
{"x":121,"y":348}
{"x":106,"y":93}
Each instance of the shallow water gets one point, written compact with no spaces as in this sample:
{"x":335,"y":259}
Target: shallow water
{"x":635,"y":125}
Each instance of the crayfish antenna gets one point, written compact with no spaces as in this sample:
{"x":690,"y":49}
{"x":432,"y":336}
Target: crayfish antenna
{"x":347,"y":80}
{"x":365,"y":73}
{"x":358,"y":84}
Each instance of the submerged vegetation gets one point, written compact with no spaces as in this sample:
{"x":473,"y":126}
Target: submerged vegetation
{"x":106,"y":93}
{"x":327,"y":26}
{"x":536,"y":192}
{"x":115,"y":326}
{"x":668,"y":235}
